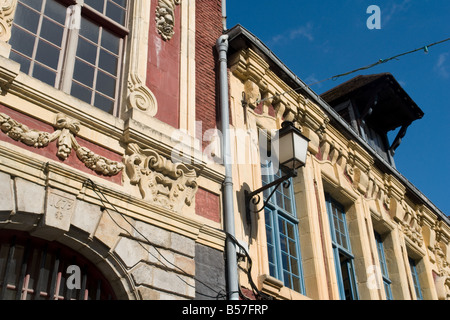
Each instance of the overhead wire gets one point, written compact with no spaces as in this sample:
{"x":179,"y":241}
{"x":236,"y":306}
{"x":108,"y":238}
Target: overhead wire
{"x":372,"y":65}
{"x":219,"y":294}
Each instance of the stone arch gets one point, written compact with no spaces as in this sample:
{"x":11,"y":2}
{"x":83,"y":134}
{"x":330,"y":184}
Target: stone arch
{"x":31,"y":208}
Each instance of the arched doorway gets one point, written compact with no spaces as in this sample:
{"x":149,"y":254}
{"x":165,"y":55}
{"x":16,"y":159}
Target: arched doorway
{"x":35,"y":269}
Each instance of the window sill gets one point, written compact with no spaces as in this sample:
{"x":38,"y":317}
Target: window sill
{"x":275,"y":288}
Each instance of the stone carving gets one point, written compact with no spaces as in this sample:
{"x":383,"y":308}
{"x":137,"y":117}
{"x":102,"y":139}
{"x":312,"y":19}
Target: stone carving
{"x":140,"y":96}
{"x":66,"y":129}
{"x":160,"y":181}
{"x":60,"y":207}
{"x":7,"y":8}
{"x":165,"y":18}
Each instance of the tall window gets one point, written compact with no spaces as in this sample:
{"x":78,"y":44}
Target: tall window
{"x":33,"y":269}
{"x":282,"y":233}
{"x":383,"y":265}
{"x":415,"y":278}
{"x":73,"y":47}
{"x":342,"y":251}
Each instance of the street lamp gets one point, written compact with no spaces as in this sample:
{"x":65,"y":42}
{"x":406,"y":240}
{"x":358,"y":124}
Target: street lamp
{"x":291,"y":155}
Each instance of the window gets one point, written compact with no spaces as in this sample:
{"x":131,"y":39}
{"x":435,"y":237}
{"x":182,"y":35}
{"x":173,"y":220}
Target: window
{"x":383,"y":265}
{"x":343,"y":256}
{"x":415,"y":278}
{"x":33,"y":269}
{"x":282,"y":233}
{"x":75,"y":48}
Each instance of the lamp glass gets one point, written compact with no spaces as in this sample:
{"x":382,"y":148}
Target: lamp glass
{"x":293,"y":148}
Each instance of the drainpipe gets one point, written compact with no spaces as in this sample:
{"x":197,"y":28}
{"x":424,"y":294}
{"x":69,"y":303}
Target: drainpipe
{"x":231,"y":258}
{"x":224,"y":15}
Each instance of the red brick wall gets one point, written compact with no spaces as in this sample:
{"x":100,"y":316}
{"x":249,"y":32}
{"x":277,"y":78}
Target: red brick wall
{"x":51,"y":150}
{"x":163,"y":69}
{"x":208,"y":30}
{"x":207,"y":205}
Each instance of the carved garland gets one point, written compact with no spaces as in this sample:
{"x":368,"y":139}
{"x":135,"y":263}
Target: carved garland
{"x":165,"y":18}
{"x":160,"y":181}
{"x":66,"y":129}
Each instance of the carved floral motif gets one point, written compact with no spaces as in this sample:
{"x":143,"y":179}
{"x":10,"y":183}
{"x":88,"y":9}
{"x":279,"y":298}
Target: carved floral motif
{"x":160,"y":181}
{"x":66,"y":129}
{"x":165,"y":18}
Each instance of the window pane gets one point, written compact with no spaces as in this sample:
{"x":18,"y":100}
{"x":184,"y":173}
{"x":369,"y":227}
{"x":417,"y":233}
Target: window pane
{"x":81,"y":92}
{"x":106,"y":84}
{"x":35,"y":4}
{"x":110,"y":41}
{"x":96,"y":4}
{"x":89,"y":29}
{"x":52,"y":32}
{"x":56,"y":11}
{"x":27,"y":18}
{"x":84,"y":73}
{"x":44,"y":74}
{"x":47,"y":54}
{"x":108,"y":62}
{"x":104,"y":103}
{"x":122,"y":3}
{"x":87,"y":51}
{"x":115,"y":12}
{"x":22,"y":41}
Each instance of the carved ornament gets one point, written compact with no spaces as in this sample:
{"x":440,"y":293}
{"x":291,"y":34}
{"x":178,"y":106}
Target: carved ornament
{"x":7,"y":9}
{"x":66,"y":129}
{"x":160,"y":181}
{"x":165,"y":18}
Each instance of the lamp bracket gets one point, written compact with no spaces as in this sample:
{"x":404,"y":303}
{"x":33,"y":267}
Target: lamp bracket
{"x":255,"y":197}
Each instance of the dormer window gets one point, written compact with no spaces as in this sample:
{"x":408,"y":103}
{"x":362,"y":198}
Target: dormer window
{"x":375,"y":105}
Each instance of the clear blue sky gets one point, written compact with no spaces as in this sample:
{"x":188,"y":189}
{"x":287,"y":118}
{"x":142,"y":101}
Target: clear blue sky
{"x":320,"y":39}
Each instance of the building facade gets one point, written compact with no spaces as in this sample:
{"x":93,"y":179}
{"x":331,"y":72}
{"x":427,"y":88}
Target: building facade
{"x":113,"y":173}
{"x":349,"y":226}
{"x":96,"y":96}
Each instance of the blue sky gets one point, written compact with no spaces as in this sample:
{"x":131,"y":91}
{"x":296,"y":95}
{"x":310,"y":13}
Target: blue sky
{"x":320,"y":39}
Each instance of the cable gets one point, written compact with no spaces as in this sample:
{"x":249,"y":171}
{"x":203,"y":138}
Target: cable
{"x":256,"y":291}
{"x":100,"y":195}
{"x":381,"y":61}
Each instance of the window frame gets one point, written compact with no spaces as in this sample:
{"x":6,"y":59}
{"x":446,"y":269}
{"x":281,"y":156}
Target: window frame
{"x":35,"y":269}
{"x":415,"y":278}
{"x":383,"y":266}
{"x":273,"y":213}
{"x":64,"y":79}
{"x":343,"y":256}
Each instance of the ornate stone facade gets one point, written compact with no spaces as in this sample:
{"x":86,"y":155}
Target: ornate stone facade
{"x":160,"y":181}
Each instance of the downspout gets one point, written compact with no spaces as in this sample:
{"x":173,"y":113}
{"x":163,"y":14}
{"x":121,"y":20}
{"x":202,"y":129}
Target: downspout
{"x":228,"y":202}
{"x":224,"y":15}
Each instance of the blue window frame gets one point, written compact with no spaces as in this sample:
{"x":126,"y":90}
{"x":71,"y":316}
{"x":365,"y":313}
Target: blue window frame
{"x":283,"y":243}
{"x":384,"y":269}
{"x":415,"y":277}
{"x":343,"y":257}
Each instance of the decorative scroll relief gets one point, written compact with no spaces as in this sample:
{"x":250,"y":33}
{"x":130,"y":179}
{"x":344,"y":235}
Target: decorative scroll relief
{"x":7,"y":9}
{"x":66,"y":129}
{"x":140,"y":97}
{"x":165,"y":18}
{"x":160,"y":181}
